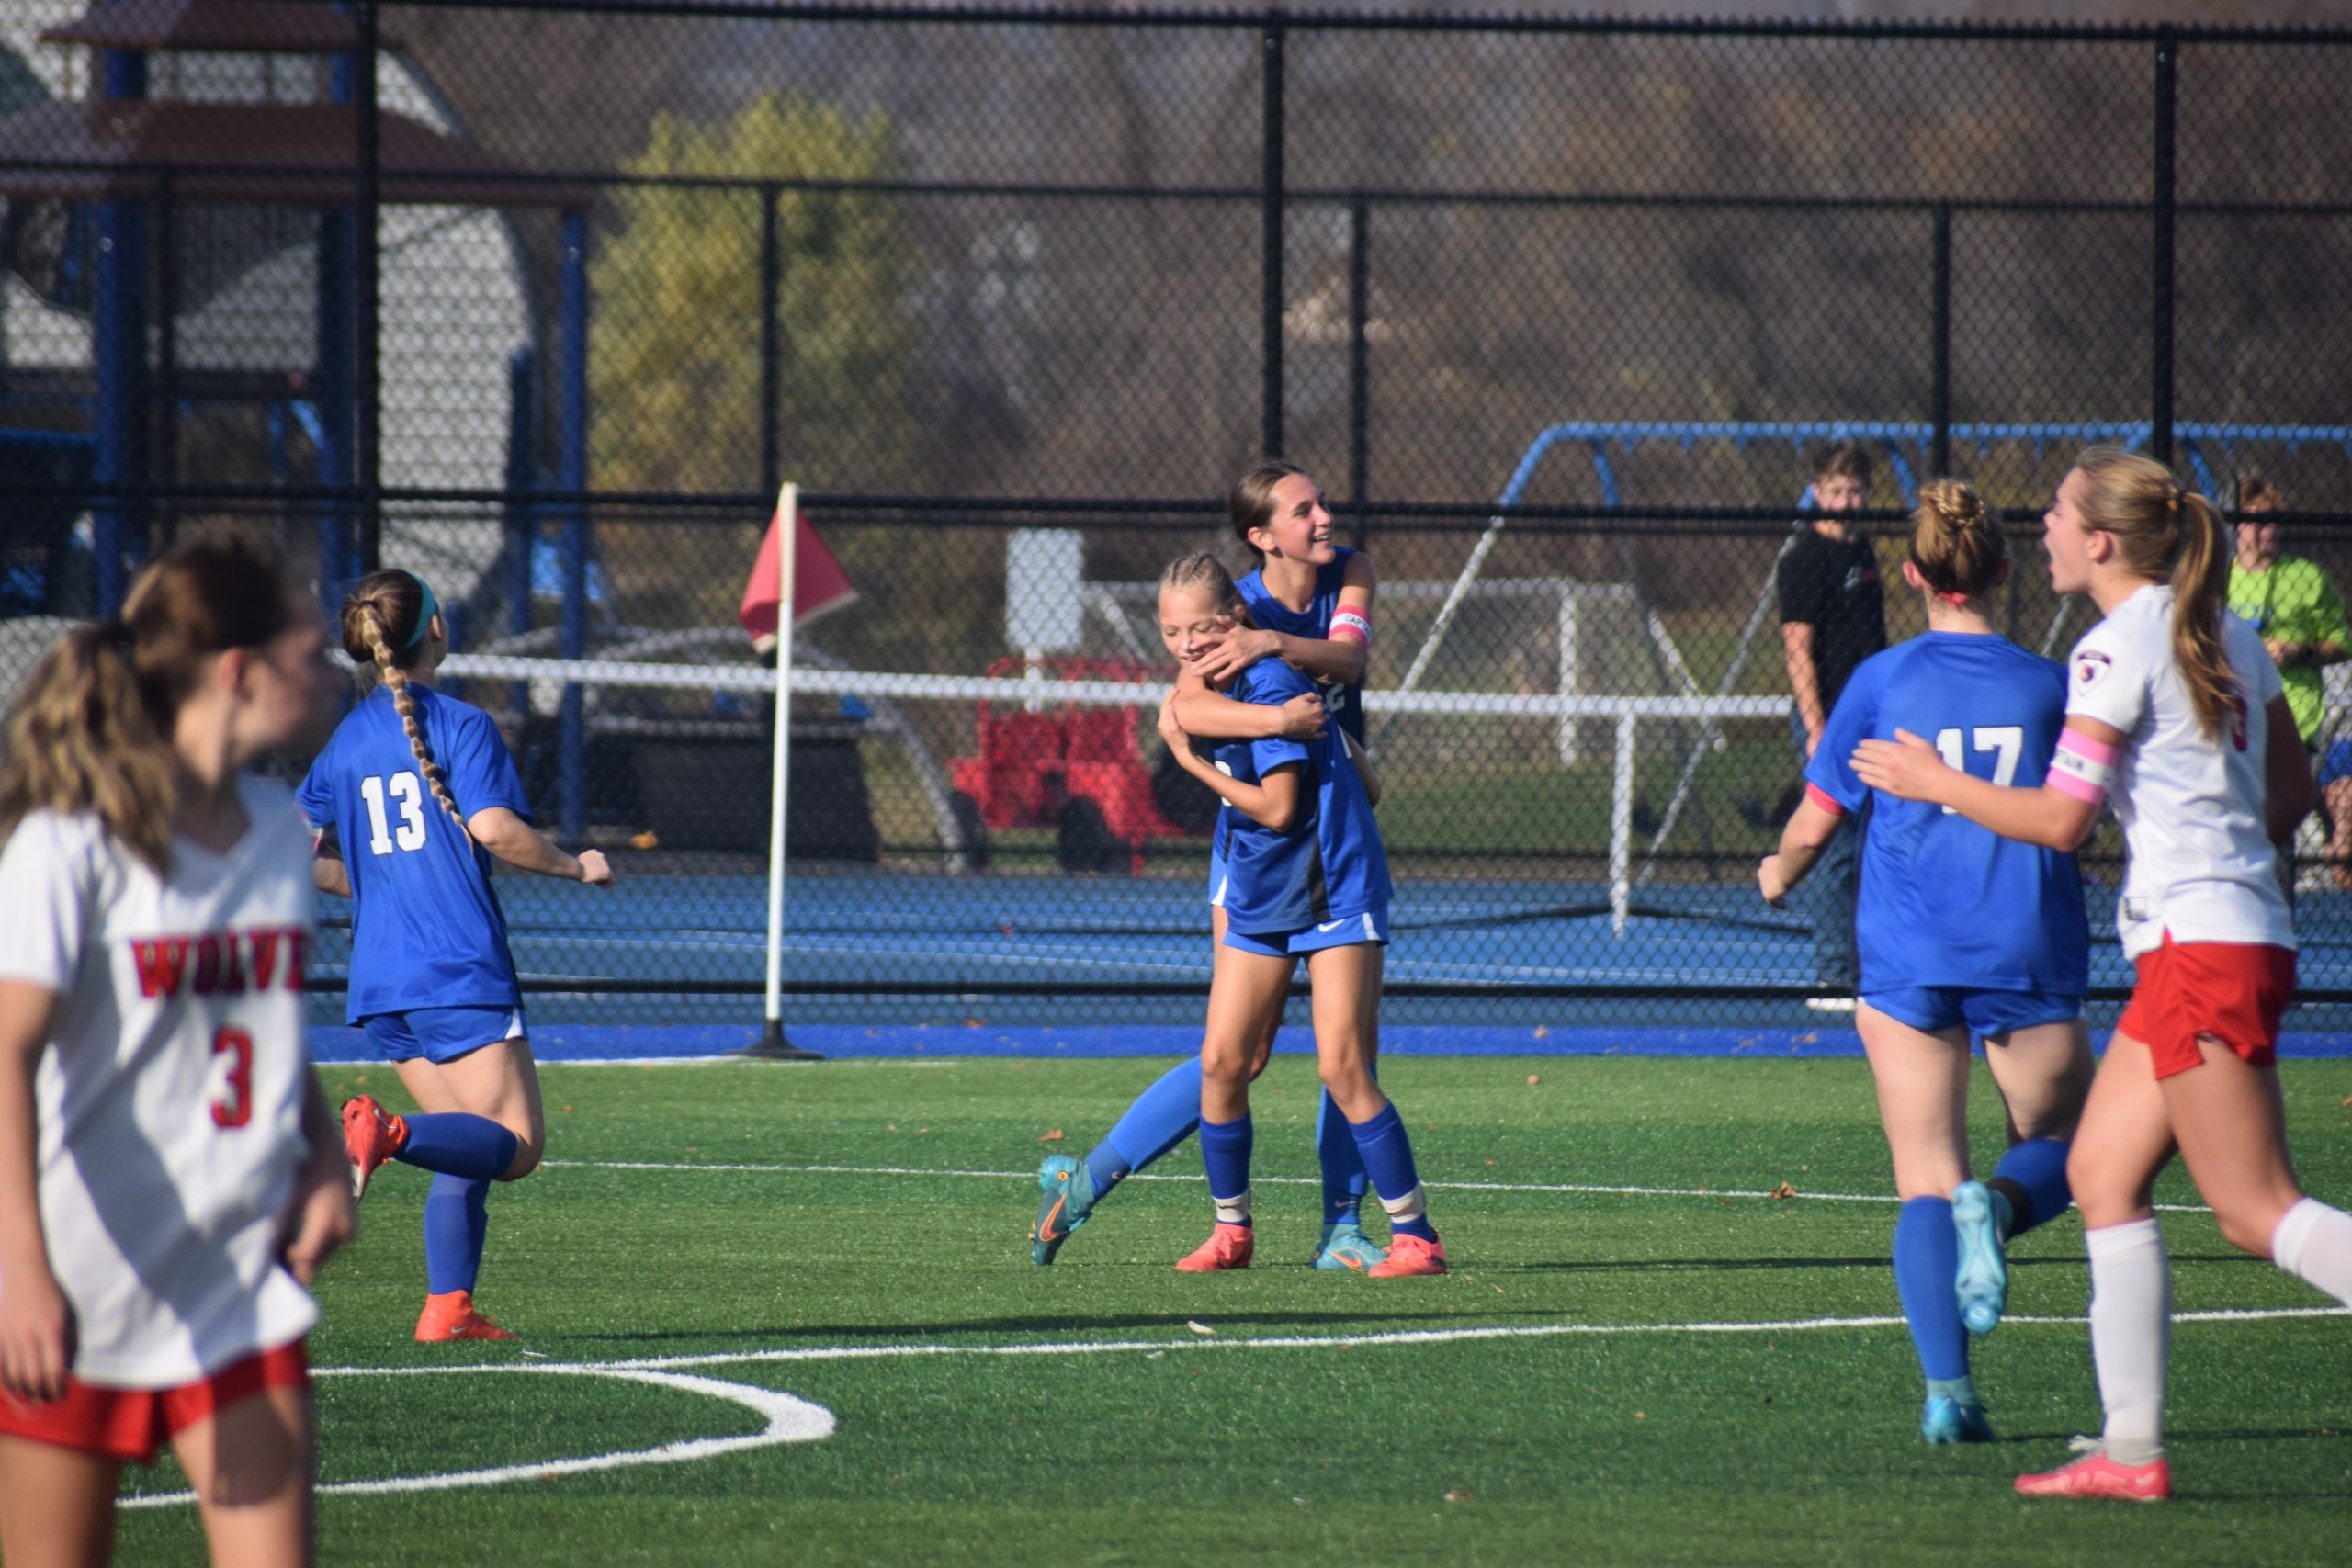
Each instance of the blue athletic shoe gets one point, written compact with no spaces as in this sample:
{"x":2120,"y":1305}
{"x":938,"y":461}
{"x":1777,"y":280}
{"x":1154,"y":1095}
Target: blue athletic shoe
{"x":1066,"y":1196}
{"x":1983,"y":1283}
{"x":1949,"y":1421}
{"x":1345,"y":1246}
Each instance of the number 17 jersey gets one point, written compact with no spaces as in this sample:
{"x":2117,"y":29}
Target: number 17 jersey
{"x":426,"y":930}
{"x":1944,"y":902}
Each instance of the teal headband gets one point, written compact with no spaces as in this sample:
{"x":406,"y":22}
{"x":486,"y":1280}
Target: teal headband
{"x":430,"y":608}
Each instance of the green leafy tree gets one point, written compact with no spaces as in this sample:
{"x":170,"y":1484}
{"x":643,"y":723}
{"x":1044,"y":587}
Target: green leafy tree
{"x":674,"y":354}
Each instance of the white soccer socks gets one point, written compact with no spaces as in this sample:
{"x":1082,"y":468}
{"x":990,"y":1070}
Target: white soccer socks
{"x":2313,"y":1243}
{"x":2130,"y":1335}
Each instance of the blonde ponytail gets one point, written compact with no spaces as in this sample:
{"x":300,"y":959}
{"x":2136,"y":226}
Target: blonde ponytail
{"x":2200,"y":584}
{"x":2168,"y":535}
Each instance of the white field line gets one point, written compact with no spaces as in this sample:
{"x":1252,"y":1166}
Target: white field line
{"x":793,"y":1420}
{"x":1268,"y":1182}
{"x":790,"y":1420}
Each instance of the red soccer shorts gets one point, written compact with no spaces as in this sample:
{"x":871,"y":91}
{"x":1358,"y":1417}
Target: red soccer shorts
{"x":2233,"y":991}
{"x":135,"y":1423}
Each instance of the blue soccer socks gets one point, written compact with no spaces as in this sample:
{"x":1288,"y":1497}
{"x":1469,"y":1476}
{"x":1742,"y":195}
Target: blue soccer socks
{"x":1225,"y":1154}
{"x":1927,"y":1258}
{"x":457,"y":1218}
{"x":1161,"y":1117}
{"x":1389,"y":1161}
{"x":2031,"y":1180}
{"x":457,"y":1142}
{"x":1344,"y":1181}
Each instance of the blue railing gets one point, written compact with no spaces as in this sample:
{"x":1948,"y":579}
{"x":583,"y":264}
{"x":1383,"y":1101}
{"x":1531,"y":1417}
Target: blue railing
{"x":1907,"y":442}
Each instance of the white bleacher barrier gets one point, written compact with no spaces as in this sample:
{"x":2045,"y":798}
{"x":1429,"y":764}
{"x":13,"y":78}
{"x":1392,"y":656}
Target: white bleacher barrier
{"x":1624,"y":713}
{"x":1570,"y":596}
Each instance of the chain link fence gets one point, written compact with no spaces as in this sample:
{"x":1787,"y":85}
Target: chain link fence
{"x":1555,"y":312}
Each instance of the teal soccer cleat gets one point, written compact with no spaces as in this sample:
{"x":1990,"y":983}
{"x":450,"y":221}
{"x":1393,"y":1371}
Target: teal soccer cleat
{"x":1345,"y":1246}
{"x":1949,"y":1421}
{"x":1983,"y":1283}
{"x":1066,"y":1196}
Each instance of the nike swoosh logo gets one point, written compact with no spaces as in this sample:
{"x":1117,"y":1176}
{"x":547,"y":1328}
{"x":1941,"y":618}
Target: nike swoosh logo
{"x":1331,"y":925}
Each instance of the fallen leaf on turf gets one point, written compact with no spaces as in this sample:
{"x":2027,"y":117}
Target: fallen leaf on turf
{"x":1784,"y":1191}
{"x":567,"y":1110}
{"x":1641,"y":1415}
{"x":1490,"y":1162}
{"x":1461,"y":1495}
{"x":1197,"y":1326}
{"x":889,"y":1126}
{"x":1535,"y":1077}
{"x":1052,"y":1135}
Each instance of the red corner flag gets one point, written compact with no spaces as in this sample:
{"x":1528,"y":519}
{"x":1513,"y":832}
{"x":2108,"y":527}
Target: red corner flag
{"x":819,"y":584}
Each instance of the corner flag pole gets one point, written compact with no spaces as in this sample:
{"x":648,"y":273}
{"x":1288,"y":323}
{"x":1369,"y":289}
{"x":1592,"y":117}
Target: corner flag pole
{"x":772,"y":1046}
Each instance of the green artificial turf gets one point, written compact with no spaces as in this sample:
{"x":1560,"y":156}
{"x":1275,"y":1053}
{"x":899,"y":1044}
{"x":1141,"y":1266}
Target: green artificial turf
{"x":1620,"y":1440}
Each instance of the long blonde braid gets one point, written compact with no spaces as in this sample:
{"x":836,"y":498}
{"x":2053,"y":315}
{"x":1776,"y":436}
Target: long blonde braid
{"x":383,"y":608}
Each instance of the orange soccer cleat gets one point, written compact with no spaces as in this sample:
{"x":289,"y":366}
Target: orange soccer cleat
{"x":370,"y":1137}
{"x":1228,"y":1247}
{"x":451,"y":1316}
{"x":2096,"y":1475}
{"x":1409,"y":1255}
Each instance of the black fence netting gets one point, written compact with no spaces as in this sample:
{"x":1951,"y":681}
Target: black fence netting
{"x":546,"y":304}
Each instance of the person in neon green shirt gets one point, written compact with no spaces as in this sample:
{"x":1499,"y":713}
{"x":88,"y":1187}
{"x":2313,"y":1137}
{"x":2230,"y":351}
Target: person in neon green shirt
{"x":2292,"y":603}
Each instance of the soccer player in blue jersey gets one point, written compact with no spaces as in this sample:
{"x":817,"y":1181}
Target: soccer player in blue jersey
{"x":1305,"y":878}
{"x":1961,"y":933}
{"x":421,"y":792}
{"x":1310,"y":604}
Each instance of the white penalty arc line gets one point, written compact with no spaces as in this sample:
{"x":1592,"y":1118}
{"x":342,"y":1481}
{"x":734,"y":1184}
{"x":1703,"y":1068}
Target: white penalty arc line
{"x":790,"y":1420}
{"x":1268,"y":1182}
{"x":795,"y":1420}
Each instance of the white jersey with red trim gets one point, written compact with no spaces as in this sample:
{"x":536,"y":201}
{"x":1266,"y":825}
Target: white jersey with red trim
{"x":170,"y":1096}
{"x":2202,"y":866}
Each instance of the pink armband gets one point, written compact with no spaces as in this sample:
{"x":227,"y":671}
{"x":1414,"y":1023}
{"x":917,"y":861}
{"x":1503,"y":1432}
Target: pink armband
{"x":1351,"y":623}
{"x":1815,"y":794}
{"x":2083,"y":767}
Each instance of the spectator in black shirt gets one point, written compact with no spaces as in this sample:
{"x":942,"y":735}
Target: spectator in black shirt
{"x":1832,"y":618}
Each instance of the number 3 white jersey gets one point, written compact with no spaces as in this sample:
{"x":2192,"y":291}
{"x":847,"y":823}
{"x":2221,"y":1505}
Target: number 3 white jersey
{"x":2202,"y":863}
{"x":170,"y":1099}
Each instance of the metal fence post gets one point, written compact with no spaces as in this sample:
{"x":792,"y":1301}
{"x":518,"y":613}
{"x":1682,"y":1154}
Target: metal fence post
{"x":367,"y":409}
{"x":2161,"y":243}
{"x":1272,"y":216}
{"x":1941,"y":396}
{"x":1359,"y":364}
{"x":771,"y":372}
{"x":573,"y":367}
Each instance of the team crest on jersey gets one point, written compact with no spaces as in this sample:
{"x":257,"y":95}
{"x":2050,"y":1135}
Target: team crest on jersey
{"x":2090,"y":667}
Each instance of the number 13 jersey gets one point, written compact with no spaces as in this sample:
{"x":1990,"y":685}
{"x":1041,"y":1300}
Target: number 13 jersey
{"x":1944,"y":902}
{"x":169,"y":1101}
{"x":426,"y":929}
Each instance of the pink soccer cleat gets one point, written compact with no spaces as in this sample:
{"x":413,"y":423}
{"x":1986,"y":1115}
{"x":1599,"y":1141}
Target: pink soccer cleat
{"x":452,"y":1315}
{"x":1228,"y":1247}
{"x":2096,"y":1475}
{"x":370,"y":1137}
{"x":1409,"y":1255}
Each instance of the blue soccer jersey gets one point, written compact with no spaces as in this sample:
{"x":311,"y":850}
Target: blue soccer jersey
{"x":426,"y":927}
{"x":1344,"y":704}
{"x":1330,"y":866}
{"x":1944,"y":902}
